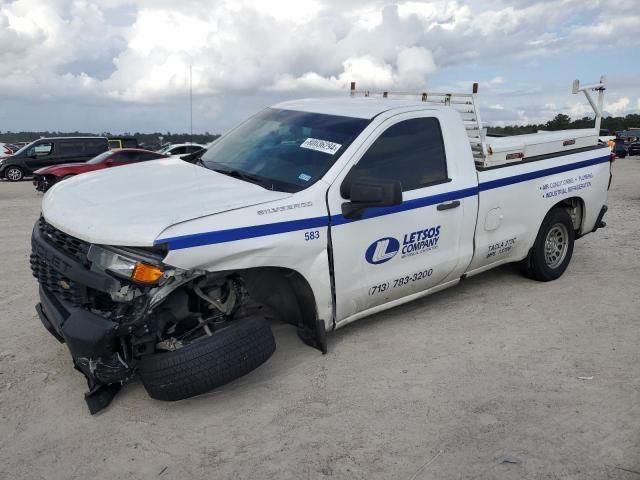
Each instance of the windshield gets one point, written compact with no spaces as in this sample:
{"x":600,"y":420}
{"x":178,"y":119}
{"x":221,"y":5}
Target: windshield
{"x":283,"y":150}
{"x":100,"y":158}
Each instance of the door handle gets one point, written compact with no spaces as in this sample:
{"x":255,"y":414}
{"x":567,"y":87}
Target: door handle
{"x":448,"y":206}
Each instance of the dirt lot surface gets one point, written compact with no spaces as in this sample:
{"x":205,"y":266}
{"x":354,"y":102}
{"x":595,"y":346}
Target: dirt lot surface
{"x":480,"y":381}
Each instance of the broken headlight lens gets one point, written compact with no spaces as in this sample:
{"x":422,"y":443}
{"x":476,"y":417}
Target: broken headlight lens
{"x":124,"y":266}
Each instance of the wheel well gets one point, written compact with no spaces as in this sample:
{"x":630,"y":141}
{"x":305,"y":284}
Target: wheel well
{"x":286,"y":292}
{"x":575,"y":208}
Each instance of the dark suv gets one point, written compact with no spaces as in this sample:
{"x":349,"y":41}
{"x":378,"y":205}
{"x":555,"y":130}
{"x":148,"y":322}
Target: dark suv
{"x":634,"y":148}
{"x":46,"y":152}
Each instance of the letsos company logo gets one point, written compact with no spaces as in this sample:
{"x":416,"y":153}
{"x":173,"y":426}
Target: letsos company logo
{"x":382,"y":250}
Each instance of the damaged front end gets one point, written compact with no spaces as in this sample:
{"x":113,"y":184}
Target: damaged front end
{"x":112,"y":306}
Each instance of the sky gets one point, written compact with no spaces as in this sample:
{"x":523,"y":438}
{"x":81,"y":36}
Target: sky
{"x":123,"y":65}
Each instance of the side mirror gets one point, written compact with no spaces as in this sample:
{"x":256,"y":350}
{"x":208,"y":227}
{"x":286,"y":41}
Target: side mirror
{"x":371,"y":192}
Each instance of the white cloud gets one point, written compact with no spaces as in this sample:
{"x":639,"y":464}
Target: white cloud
{"x":619,"y":106}
{"x":125,"y":53}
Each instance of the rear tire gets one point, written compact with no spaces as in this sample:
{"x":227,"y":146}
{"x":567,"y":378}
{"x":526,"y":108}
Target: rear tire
{"x":553,"y":248}
{"x":13,"y":174}
{"x":210,"y":362}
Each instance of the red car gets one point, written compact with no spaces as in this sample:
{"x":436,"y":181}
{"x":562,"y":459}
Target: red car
{"x":45,"y":177}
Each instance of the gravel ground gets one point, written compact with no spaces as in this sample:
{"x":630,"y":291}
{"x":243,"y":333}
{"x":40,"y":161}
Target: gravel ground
{"x":479,"y":381}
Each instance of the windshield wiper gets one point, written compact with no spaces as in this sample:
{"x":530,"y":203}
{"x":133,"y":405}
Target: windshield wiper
{"x":247,"y":177}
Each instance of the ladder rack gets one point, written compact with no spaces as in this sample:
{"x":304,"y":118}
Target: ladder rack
{"x":464,"y":103}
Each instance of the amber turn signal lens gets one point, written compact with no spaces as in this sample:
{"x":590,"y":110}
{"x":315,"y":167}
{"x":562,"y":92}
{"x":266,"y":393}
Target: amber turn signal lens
{"x":144,"y":273}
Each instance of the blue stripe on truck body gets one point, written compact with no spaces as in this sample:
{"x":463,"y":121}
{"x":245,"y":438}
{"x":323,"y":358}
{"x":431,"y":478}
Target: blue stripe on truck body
{"x":254,"y":231}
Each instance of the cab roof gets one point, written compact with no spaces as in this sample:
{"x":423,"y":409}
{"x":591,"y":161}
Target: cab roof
{"x":361,"y":107}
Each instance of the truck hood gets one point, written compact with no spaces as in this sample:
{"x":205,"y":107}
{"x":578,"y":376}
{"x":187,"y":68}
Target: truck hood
{"x":131,"y":205}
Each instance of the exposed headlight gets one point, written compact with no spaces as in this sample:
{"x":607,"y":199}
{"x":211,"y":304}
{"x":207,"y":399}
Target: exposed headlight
{"x":125,"y":266}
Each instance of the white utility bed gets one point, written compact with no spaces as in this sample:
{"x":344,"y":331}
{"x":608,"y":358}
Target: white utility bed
{"x":501,"y":150}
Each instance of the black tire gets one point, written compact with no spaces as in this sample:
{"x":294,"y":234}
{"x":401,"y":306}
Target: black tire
{"x":211,"y":362}
{"x":546,"y":264}
{"x":13,"y":174}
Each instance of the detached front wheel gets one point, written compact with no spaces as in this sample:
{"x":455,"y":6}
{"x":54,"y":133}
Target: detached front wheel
{"x":553,"y":248}
{"x":209,"y":362}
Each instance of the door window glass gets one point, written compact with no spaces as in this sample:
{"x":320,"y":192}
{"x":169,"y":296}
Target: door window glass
{"x":411,"y":151}
{"x":71,"y":148}
{"x":128,"y":157}
{"x":93,"y":147}
{"x":41,"y":149}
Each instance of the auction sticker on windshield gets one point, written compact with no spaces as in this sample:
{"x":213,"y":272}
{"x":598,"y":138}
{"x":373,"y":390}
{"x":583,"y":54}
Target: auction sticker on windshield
{"x":321,"y":145}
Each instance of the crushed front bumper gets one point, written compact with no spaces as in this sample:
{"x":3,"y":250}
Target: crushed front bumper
{"x":91,"y":339}
{"x":42,"y":183}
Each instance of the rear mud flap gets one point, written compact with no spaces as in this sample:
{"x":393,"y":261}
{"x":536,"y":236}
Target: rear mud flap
{"x":599,"y":222}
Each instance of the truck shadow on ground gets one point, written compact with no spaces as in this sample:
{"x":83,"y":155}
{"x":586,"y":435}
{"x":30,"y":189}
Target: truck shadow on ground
{"x":471,"y":289}
{"x":291,"y":352}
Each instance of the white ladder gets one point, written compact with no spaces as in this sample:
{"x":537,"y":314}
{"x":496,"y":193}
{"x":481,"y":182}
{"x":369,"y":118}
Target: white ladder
{"x":464,"y":103}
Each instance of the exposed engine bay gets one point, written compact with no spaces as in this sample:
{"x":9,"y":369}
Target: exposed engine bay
{"x":110,"y":322}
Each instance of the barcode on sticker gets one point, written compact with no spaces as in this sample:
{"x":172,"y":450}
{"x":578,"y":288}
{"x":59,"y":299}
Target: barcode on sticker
{"x":321,"y":145}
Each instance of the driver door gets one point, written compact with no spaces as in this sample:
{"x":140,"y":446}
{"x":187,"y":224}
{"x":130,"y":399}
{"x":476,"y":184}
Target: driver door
{"x":394,"y":252}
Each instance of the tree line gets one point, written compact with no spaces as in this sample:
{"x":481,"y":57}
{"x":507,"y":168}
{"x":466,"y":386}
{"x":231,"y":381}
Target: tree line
{"x":564,"y":122}
{"x":150,"y":140}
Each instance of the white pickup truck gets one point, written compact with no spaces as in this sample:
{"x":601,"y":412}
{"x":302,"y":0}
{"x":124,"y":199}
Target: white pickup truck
{"x":315,"y":212}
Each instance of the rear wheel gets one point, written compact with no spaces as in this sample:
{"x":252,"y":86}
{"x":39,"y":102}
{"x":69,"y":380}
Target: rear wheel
{"x":209,"y":362}
{"x":553,"y":248}
{"x":14,"y":174}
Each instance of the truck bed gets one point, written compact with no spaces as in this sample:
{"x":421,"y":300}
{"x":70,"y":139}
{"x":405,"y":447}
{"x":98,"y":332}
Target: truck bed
{"x":516,"y":148}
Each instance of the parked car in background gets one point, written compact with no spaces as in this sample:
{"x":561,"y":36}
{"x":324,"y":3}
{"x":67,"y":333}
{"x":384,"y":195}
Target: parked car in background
{"x":634,"y":148}
{"x":123,"y":142}
{"x":620,"y":148}
{"x":180,"y":149}
{"x":5,"y":149}
{"x":47,"y":152}
{"x":15,"y":146}
{"x":45,"y":177}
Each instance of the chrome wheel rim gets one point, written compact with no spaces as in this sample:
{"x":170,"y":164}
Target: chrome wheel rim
{"x":556,"y":245}
{"x":14,"y":174}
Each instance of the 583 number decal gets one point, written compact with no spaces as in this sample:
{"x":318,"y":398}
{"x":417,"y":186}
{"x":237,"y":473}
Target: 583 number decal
{"x":312,"y":235}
